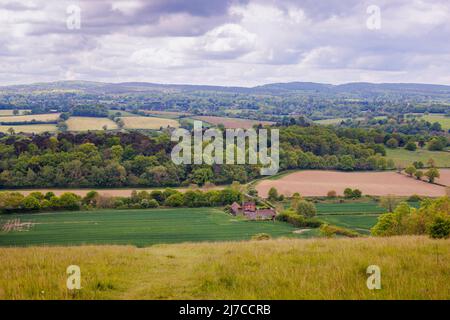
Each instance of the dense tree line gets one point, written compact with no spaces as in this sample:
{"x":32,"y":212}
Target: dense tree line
{"x":102,"y":159}
{"x":15,"y":202}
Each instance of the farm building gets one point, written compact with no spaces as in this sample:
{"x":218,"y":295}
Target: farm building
{"x":251,"y":212}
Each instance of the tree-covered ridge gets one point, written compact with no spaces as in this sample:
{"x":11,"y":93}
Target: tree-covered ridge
{"x":270,"y":102}
{"x":119,"y":159}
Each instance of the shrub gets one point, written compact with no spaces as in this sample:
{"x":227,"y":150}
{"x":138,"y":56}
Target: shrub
{"x":69,"y":201}
{"x":31,"y":203}
{"x":152,"y":203}
{"x":306,"y":209}
{"x":410,"y":171}
{"x":440,"y":228}
{"x":175,"y":200}
{"x":331,"y":231}
{"x":261,"y":236}
{"x":296,"y":220}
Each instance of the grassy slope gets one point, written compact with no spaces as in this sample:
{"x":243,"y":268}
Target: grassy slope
{"x":139,"y":227}
{"x":411,"y":268}
{"x":405,"y":157}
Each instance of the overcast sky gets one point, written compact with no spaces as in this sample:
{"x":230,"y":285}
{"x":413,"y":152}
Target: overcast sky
{"x":220,"y":42}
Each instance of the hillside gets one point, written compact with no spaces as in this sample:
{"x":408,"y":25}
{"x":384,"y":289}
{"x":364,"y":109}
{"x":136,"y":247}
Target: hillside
{"x":360,"y":88}
{"x":411,"y":268}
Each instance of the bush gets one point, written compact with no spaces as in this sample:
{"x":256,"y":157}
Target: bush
{"x":69,"y":201}
{"x":175,"y":200}
{"x":440,"y":228}
{"x":296,"y":220}
{"x":31,"y":203}
{"x":306,"y":209}
{"x":331,"y":231}
{"x":261,"y":236}
{"x":152,"y":203}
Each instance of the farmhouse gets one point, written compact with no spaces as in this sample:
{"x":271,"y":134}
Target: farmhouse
{"x":249,"y":210}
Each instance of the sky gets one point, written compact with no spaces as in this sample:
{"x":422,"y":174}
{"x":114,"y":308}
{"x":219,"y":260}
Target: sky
{"x":225,"y":42}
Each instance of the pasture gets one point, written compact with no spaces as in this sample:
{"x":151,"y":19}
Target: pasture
{"x":412,"y":268}
{"x":46,"y":117}
{"x":10,"y":112}
{"x":149,"y":123}
{"x":29,"y":128}
{"x":138,"y":227}
{"x":405,"y":157}
{"x":89,"y":123}
{"x":319,"y":182}
{"x":232,"y":123}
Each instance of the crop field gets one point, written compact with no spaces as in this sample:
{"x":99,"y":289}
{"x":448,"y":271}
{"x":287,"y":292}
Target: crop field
{"x":404,"y":157}
{"x":232,"y":123}
{"x":89,"y":123}
{"x":167,"y":114}
{"x":29,"y":118}
{"x":29,"y":128}
{"x":138,"y":227}
{"x":411,"y":268}
{"x":10,"y":112}
{"x":319,"y":182}
{"x":151,"y":123}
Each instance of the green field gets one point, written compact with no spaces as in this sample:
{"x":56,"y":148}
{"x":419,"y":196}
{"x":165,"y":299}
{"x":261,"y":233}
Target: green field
{"x":139,"y":227}
{"x":360,"y":217}
{"x":405,"y":157}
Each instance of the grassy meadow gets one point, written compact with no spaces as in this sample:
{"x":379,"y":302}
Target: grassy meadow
{"x":411,"y":268}
{"x":29,"y":128}
{"x":150,"y":123}
{"x":89,"y":123}
{"x":10,"y":112}
{"x":405,"y":157}
{"x":139,"y":227}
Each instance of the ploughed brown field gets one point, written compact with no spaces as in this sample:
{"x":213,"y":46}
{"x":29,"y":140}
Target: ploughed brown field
{"x":318,"y":183}
{"x":232,"y":123}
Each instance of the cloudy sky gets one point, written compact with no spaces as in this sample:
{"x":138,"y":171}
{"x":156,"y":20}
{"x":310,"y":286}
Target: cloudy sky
{"x":225,"y":42}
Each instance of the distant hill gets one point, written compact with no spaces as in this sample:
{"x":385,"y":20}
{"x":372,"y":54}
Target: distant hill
{"x":362,"y":88}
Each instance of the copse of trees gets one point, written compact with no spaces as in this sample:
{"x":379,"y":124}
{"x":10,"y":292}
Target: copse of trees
{"x":431,"y":218}
{"x":15,"y":202}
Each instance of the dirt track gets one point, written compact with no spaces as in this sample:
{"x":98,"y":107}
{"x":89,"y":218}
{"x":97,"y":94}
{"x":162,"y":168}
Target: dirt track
{"x":318,"y":183}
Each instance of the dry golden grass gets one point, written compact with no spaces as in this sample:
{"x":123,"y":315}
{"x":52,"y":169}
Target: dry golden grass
{"x":411,"y":268}
{"x":31,"y":117}
{"x":10,"y":112}
{"x":32,"y":128}
{"x":232,"y":123}
{"x":148,"y":123}
{"x":89,"y":123}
